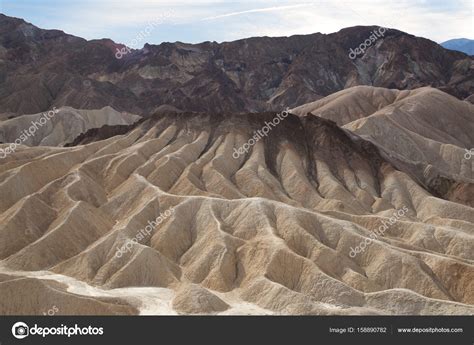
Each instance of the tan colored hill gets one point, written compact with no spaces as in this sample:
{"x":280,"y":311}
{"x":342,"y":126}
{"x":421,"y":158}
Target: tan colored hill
{"x":44,"y":296}
{"x":271,"y":231}
{"x":60,"y":126}
{"x":424,"y":131}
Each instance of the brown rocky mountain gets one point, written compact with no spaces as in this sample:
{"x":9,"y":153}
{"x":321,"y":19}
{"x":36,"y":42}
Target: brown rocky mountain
{"x":360,"y":201}
{"x":40,"y":69}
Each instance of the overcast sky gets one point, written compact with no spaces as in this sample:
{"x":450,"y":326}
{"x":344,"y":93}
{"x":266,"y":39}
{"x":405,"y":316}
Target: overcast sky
{"x":198,"y":21}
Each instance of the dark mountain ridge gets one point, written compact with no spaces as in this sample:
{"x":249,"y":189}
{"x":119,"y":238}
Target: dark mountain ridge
{"x":40,"y":69}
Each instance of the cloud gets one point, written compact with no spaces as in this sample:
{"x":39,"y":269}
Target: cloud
{"x":267,"y":9}
{"x":438,"y":22}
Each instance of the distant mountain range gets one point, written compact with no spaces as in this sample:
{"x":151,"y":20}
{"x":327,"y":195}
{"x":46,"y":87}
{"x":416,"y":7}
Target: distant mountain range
{"x":40,"y":69}
{"x":460,"y":44}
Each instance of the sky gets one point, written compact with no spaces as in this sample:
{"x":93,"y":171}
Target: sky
{"x":135,"y":22}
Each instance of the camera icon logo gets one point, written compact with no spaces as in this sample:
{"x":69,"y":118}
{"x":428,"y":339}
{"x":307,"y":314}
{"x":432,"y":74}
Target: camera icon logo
{"x":20,"y":330}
